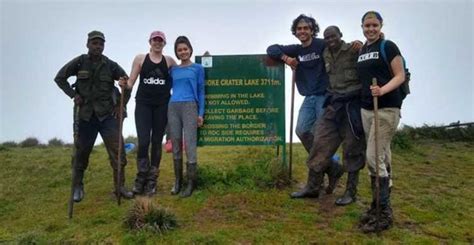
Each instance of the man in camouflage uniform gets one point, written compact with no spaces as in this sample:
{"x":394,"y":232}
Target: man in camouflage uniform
{"x":341,"y":121}
{"x":98,"y":103}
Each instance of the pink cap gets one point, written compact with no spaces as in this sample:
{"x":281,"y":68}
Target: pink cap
{"x":157,"y":34}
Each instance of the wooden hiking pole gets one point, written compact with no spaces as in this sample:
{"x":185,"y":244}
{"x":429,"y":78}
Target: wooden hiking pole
{"x":376,"y":148}
{"x":120,"y":143}
{"x":293,"y":82}
{"x":75,"y":127}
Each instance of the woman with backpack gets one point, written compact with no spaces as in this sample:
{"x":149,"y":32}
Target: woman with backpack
{"x":389,"y":75}
{"x":151,"y":110}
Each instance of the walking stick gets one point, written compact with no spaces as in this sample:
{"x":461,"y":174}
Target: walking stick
{"x":291,"y":122}
{"x":75,"y":127}
{"x":120,"y":143}
{"x":376,"y":140}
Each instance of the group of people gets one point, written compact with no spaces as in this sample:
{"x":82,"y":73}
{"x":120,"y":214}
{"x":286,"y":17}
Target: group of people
{"x":334,"y":77}
{"x":96,"y":96}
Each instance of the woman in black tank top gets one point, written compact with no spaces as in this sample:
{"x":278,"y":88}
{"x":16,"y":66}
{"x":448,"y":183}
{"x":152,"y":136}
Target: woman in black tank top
{"x":154,"y":86}
{"x":151,"y":110}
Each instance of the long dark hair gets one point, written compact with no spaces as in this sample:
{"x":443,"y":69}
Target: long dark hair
{"x":185,"y":40}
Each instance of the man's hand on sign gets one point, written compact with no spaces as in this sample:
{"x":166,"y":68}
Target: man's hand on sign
{"x":292,"y":62}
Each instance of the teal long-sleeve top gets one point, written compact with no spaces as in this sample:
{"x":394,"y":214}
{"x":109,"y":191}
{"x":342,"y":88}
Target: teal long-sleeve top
{"x":188,"y":85}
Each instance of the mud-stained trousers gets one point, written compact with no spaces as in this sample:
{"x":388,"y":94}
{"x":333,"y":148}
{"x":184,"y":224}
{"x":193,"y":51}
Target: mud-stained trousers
{"x":334,"y":128}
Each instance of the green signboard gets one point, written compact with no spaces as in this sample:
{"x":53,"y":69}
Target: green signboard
{"x":245,"y":101}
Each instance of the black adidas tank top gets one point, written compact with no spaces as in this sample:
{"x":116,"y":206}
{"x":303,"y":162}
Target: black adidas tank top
{"x":155,"y":83}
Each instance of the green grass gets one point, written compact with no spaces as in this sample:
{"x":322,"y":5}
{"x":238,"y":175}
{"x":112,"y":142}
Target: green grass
{"x":238,"y":200}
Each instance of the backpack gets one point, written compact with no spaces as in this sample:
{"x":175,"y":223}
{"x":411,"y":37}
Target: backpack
{"x":405,"y":87}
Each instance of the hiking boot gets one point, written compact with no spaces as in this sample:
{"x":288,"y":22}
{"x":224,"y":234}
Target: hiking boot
{"x":369,"y":222}
{"x":313,"y":186}
{"x":335,"y":171}
{"x":122,"y":191}
{"x":140,"y":179}
{"x":368,"y":215}
{"x":384,"y":223}
{"x":151,"y":181}
{"x":351,"y":190}
{"x":78,"y":194}
{"x":191,"y":172}
{"x":178,"y":174}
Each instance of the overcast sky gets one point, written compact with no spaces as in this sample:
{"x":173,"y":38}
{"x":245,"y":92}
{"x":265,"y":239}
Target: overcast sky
{"x":38,"y":37}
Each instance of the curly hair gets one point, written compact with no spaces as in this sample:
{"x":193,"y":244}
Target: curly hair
{"x":311,"y":22}
{"x":184,"y":40}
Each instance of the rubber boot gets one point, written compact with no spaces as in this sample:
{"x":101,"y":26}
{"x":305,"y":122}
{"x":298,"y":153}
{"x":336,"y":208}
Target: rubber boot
{"x":371,"y":212}
{"x":154,"y":171}
{"x":178,"y":174}
{"x":334,"y":172}
{"x":123,"y":192}
{"x":151,"y":181}
{"x":191,"y":171}
{"x":78,"y":194}
{"x":142,"y":171}
{"x":351,"y":189}
{"x":313,"y":186}
{"x":386,"y":214}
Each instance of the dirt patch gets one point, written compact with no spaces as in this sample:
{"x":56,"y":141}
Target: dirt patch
{"x":226,"y":209}
{"x":209,"y":213}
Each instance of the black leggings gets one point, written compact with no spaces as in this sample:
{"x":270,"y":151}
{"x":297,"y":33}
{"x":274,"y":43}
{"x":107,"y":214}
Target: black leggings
{"x":150,"y":121}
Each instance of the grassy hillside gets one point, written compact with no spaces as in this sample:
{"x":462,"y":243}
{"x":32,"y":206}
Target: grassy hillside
{"x":238,"y":200}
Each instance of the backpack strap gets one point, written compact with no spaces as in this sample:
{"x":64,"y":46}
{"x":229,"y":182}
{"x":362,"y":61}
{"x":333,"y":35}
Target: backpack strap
{"x":384,"y":55}
{"x":404,"y":86}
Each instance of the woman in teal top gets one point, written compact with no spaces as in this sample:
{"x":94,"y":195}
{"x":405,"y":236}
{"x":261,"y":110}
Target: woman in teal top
{"x":185,"y":114}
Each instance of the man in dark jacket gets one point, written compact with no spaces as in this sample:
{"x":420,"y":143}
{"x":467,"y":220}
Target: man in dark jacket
{"x":311,"y":80}
{"x":98,"y":104}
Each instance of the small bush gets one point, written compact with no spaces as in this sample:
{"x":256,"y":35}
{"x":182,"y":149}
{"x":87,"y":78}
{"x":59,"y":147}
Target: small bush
{"x":55,"y":142}
{"x":29,"y":142}
{"x":402,"y":140}
{"x":9,"y":144}
{"x":262,"y":171}
{"x":144,"y":215}
{"x":403,"y":137}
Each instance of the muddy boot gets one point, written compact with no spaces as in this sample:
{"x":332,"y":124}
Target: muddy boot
{"x":313,"y":186}
{"x":371,"y":212}
{"x":351,"y":189}
{"x":142,"y":171}
{"x":191,"y":172}
{"x":123,"y":192}
{"x":178,"y":174}
{"x":78,"y":194}
{"x":385,"y":222}
{"x":334,"y":172}
{"x":151,"y":181}
{"x":386,"y":214}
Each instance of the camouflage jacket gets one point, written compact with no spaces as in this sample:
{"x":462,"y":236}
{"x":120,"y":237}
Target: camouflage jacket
{"x":95,"y":83}
{"x":341,"y":68}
